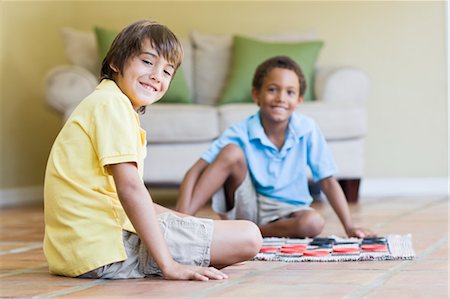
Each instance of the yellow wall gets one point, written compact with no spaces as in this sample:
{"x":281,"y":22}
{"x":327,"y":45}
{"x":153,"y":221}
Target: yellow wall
{"x":401,"y":45}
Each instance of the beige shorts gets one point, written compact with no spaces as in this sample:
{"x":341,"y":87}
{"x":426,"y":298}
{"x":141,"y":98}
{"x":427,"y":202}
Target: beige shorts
{"x":252,"y":206}
{"x":189,"y":241}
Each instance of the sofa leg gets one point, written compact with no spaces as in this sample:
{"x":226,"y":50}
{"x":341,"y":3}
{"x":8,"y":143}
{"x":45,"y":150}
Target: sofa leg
{"x":351,"y":189}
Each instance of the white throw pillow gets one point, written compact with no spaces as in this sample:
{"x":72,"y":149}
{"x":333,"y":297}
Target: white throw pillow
{"x":80,"y":48}
{"x":212,"y":58}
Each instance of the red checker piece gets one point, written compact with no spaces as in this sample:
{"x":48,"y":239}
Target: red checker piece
{"x":316,"y":253}
{"x":268,"y":249}
{"x":292,"y":250}
{"x":345,"y":250}
{"x":374,"y":247}
{"x":294,"y":246}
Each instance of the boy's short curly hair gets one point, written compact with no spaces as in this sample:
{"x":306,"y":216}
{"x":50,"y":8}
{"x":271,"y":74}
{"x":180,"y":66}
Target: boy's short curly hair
{"x":283,"y":62}
{"x":128,"y":43}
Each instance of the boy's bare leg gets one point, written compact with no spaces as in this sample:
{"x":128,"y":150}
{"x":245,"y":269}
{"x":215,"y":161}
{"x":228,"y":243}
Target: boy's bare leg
{"x":301,"y":224}
{"x":228,"y":170}
{"x":234,"y":241}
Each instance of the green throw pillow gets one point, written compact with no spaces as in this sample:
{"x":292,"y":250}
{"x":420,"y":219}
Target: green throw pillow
{"x":249,"y":53}
{"x":178,"y":91}
{"x":105,"y":38}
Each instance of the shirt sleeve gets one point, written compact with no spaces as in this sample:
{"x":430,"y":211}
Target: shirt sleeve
{"x":233,"y":134}
{"x":114,"y":133}
{"x":319,"y":157}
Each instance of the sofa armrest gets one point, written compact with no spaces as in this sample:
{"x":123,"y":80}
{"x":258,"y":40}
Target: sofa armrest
{"x":67,"y":85}
{"x":341,"y":84}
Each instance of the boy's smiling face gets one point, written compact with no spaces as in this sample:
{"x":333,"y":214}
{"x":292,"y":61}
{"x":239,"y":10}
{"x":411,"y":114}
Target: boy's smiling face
{"x":145,"y":77}
{"x":278,"y":96}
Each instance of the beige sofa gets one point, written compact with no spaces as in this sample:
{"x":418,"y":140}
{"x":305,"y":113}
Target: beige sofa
{"x":179,"y":133}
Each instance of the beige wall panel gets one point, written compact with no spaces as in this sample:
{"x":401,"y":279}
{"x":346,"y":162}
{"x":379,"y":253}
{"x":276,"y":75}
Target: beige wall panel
{"x":401,"y":45}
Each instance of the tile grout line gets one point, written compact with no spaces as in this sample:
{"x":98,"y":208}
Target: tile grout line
{"x":72,"y":290}
{"x":206,"y":293}
{"x":16,"y":243}
{"x":21,"y":249}
{"x":21,"y":271}
{"x":407,"y":213}
{"x":377,"y":282}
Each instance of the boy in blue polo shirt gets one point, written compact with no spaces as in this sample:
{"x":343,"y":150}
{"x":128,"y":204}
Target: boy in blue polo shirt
{"x":257,"y":169}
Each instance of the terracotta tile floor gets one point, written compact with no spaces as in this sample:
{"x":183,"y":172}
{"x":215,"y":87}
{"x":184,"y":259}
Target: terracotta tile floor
{"x":23,"y":269}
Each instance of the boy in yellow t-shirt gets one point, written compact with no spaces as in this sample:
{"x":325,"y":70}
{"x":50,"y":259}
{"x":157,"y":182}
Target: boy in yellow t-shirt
{"x":100,"y":221}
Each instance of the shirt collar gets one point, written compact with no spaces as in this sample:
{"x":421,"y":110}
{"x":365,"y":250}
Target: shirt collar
{"x":298,"y":127}
{"x":107,"y":84}
{"x":110,"y":85}
{"x":255,"y":128}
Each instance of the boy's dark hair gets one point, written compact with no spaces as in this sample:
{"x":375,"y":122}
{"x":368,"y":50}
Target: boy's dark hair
{"x":128,"y":43}
{"x":282,"y":62}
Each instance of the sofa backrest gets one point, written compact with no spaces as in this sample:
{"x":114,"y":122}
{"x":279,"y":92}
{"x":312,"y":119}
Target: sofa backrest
{"x":206,"y":61}
{"x":212,"y":54}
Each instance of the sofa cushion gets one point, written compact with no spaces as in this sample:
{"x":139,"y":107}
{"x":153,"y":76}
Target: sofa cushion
{"x":211,"y":63}
{"x":104,"y":38}
{"x":167,"y":163}
{"x":249,"y":53}
{"x":341,"y":84}
{"x":349,"y":156}
{"x":337,"y":121}
{"x":174,"y":123}
{"x":80,"y":49}
{"x":178,"y":91}
{"x":212,"y":55}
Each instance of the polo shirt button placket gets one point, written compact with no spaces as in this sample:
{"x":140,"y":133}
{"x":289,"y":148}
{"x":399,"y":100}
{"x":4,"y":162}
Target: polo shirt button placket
{"x":274,"y":165}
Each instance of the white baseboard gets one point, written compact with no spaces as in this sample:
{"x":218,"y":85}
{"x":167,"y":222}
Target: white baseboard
{"x":19,"y":196}
{"x":387,"y":187}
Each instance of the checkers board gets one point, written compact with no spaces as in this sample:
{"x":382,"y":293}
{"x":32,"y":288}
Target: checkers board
{"x":336,"y":249}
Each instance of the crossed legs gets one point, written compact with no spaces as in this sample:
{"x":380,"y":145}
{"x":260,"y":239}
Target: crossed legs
{"x":203,"y":180}
{"x":228,"y":171}
{"x":305,"y":223}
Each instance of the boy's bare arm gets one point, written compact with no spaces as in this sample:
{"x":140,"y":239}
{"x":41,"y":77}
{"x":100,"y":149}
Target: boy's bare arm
{"x":338,"y":202}
{"x":184,"y":203}
{"x":139,"y":208}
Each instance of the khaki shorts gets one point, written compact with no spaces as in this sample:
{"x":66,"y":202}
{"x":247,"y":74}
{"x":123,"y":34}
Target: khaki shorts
{"x":189,"y":241}
{"x":249,"y":205}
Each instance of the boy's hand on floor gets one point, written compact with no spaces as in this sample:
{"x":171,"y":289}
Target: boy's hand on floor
{"x":187,"y":272}
{"x":360,"y":232}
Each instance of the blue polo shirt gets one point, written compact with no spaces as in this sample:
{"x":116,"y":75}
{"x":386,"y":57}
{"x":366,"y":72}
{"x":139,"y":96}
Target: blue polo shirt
{"x":280,"y":174}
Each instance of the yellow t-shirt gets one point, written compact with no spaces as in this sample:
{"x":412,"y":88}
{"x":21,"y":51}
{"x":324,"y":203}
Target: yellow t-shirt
{"x":84,"y":218}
